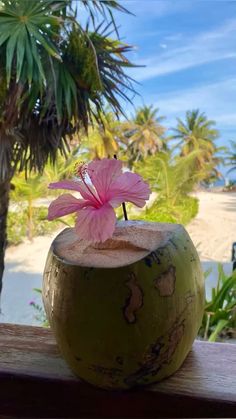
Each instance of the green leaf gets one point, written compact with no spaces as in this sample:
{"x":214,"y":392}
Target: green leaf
{"x":207,"y":273}
{"x":29,"y":59}
{"x":11,"y":46}
{"x":3,"y":37}
{"x":219,"y":327}
{"x":37,"y":59}
{"x":20,"y":52}
{"x":48,"y":45}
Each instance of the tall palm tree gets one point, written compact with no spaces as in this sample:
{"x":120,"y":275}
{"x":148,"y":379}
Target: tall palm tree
{"x":103,"y":139}
{"x":197,"y":133}
{"x":144,"y":134}
{"x":231,"y":157}
{"x":55,"y":75}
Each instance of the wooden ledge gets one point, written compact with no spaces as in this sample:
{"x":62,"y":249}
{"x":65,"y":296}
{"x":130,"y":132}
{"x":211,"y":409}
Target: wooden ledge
{"x":35,"y":382}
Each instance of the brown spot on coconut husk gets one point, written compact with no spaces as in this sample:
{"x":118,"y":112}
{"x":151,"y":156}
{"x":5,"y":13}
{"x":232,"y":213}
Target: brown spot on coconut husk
{"x":135,"y":299}
{"x":165,"y":283}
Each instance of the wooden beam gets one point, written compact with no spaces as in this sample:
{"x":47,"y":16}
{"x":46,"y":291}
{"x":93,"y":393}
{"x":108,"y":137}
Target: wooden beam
{"x":35,"y":382}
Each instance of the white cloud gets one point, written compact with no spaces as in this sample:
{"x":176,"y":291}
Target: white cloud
{"x":207,"y":47}
{"x":163,"y":46}
{"x":217,"y":99}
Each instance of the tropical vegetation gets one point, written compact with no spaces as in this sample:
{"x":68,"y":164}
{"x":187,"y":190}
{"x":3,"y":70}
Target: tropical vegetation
{"x":103,"y":138}
{"x":62,"y":84}
{"x":172,"y":174}
{"x":197,"y":133}
{"x":231,"y":157}
{"x":219,"y":320}
{"x":143,"y":134}
{"x":56,"y":76}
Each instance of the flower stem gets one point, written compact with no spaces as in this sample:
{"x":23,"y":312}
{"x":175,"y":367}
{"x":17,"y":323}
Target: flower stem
{"x":123,"y":204}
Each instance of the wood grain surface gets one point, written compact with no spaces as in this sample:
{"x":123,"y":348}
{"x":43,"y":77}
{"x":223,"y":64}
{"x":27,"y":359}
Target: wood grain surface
{"x":36,"y":383}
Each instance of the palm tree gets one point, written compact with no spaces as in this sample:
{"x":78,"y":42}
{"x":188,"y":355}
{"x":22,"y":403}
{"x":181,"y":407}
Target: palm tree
{"x":103,"y":139}
{"x":55,"y":76}
{"x":144,"y":134}
{"x":60,"y":169}
{"x":25,"y":192}
{"x":231,"y":157}
{"x":172,"y":177}
{"x":198,"y":133}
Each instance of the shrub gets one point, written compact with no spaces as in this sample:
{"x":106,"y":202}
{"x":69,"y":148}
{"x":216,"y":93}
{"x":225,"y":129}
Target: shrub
{"x":40,"y":314}
{"x":219,"y":320}
{"x":17,"y":228}
{"x":183,"y":212}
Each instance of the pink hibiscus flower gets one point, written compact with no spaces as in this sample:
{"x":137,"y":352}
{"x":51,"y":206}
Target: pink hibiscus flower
{"x":107,"y":189}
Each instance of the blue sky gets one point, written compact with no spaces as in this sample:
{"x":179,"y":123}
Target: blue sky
{"x":189,"y":50}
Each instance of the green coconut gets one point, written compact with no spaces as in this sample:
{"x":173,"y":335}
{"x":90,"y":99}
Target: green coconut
{"x":126,"y":312}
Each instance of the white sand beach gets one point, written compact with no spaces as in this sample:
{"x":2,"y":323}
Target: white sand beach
{"x":213,"y":231}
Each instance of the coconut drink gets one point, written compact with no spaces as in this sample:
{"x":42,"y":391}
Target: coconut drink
{"x":124,"y":299}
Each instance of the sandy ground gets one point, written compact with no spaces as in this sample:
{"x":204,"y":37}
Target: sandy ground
{"x":213,"y":231}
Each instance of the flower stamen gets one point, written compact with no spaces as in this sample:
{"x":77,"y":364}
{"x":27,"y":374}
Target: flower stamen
{"x":82,"y":172}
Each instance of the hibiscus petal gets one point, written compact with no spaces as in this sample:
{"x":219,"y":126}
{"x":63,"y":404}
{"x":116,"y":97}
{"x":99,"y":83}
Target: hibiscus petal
{"x":65,"y":204}
{"x":102,"y":173}
{"x":96,"y":224}
{"x":73,"y":186}
{"x":129,"y":187}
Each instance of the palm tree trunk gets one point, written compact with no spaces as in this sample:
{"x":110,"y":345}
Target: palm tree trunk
{"x":4,"y":202}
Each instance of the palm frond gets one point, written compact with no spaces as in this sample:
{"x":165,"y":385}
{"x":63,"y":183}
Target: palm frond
{"x":56,"y":78}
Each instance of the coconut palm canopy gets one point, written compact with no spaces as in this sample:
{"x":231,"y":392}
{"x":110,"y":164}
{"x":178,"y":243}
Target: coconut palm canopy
{"x":198,"y":133}
{"x":55,"y":77}
{"x":144,"y":133}
{"x":231,"y":156}
{"x":103,"y":139}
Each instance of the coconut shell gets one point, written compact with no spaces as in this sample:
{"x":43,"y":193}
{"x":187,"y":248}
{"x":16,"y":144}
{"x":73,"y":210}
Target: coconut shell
{"x":126,"y":321}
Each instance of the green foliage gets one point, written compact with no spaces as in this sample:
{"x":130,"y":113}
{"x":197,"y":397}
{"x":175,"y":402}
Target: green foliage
{"x":18,"y":229}
{"x":24,"y":193}
{"x":39,"y":310}
{"x":61,"y":169}
{"x":231,"y":157}
{"x":197,"y":133}
{"x":219,"y":320}
{"x":103,"y":139}
{"x":231,"y":187}
{"x":27,"y":189}
{"x":172,"y":178}
{"x":181,"y":213}
{"x":55,"y":76}
{"x":143,"y":135}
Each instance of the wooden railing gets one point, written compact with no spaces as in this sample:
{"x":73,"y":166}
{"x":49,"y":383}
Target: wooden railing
{"x":35,"y":382}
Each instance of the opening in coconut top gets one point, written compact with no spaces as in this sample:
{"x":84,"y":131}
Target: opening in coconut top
{"x":131,"y":241}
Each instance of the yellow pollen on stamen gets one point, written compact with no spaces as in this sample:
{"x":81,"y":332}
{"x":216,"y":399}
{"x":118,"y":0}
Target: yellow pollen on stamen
{"x":80,"y":169}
